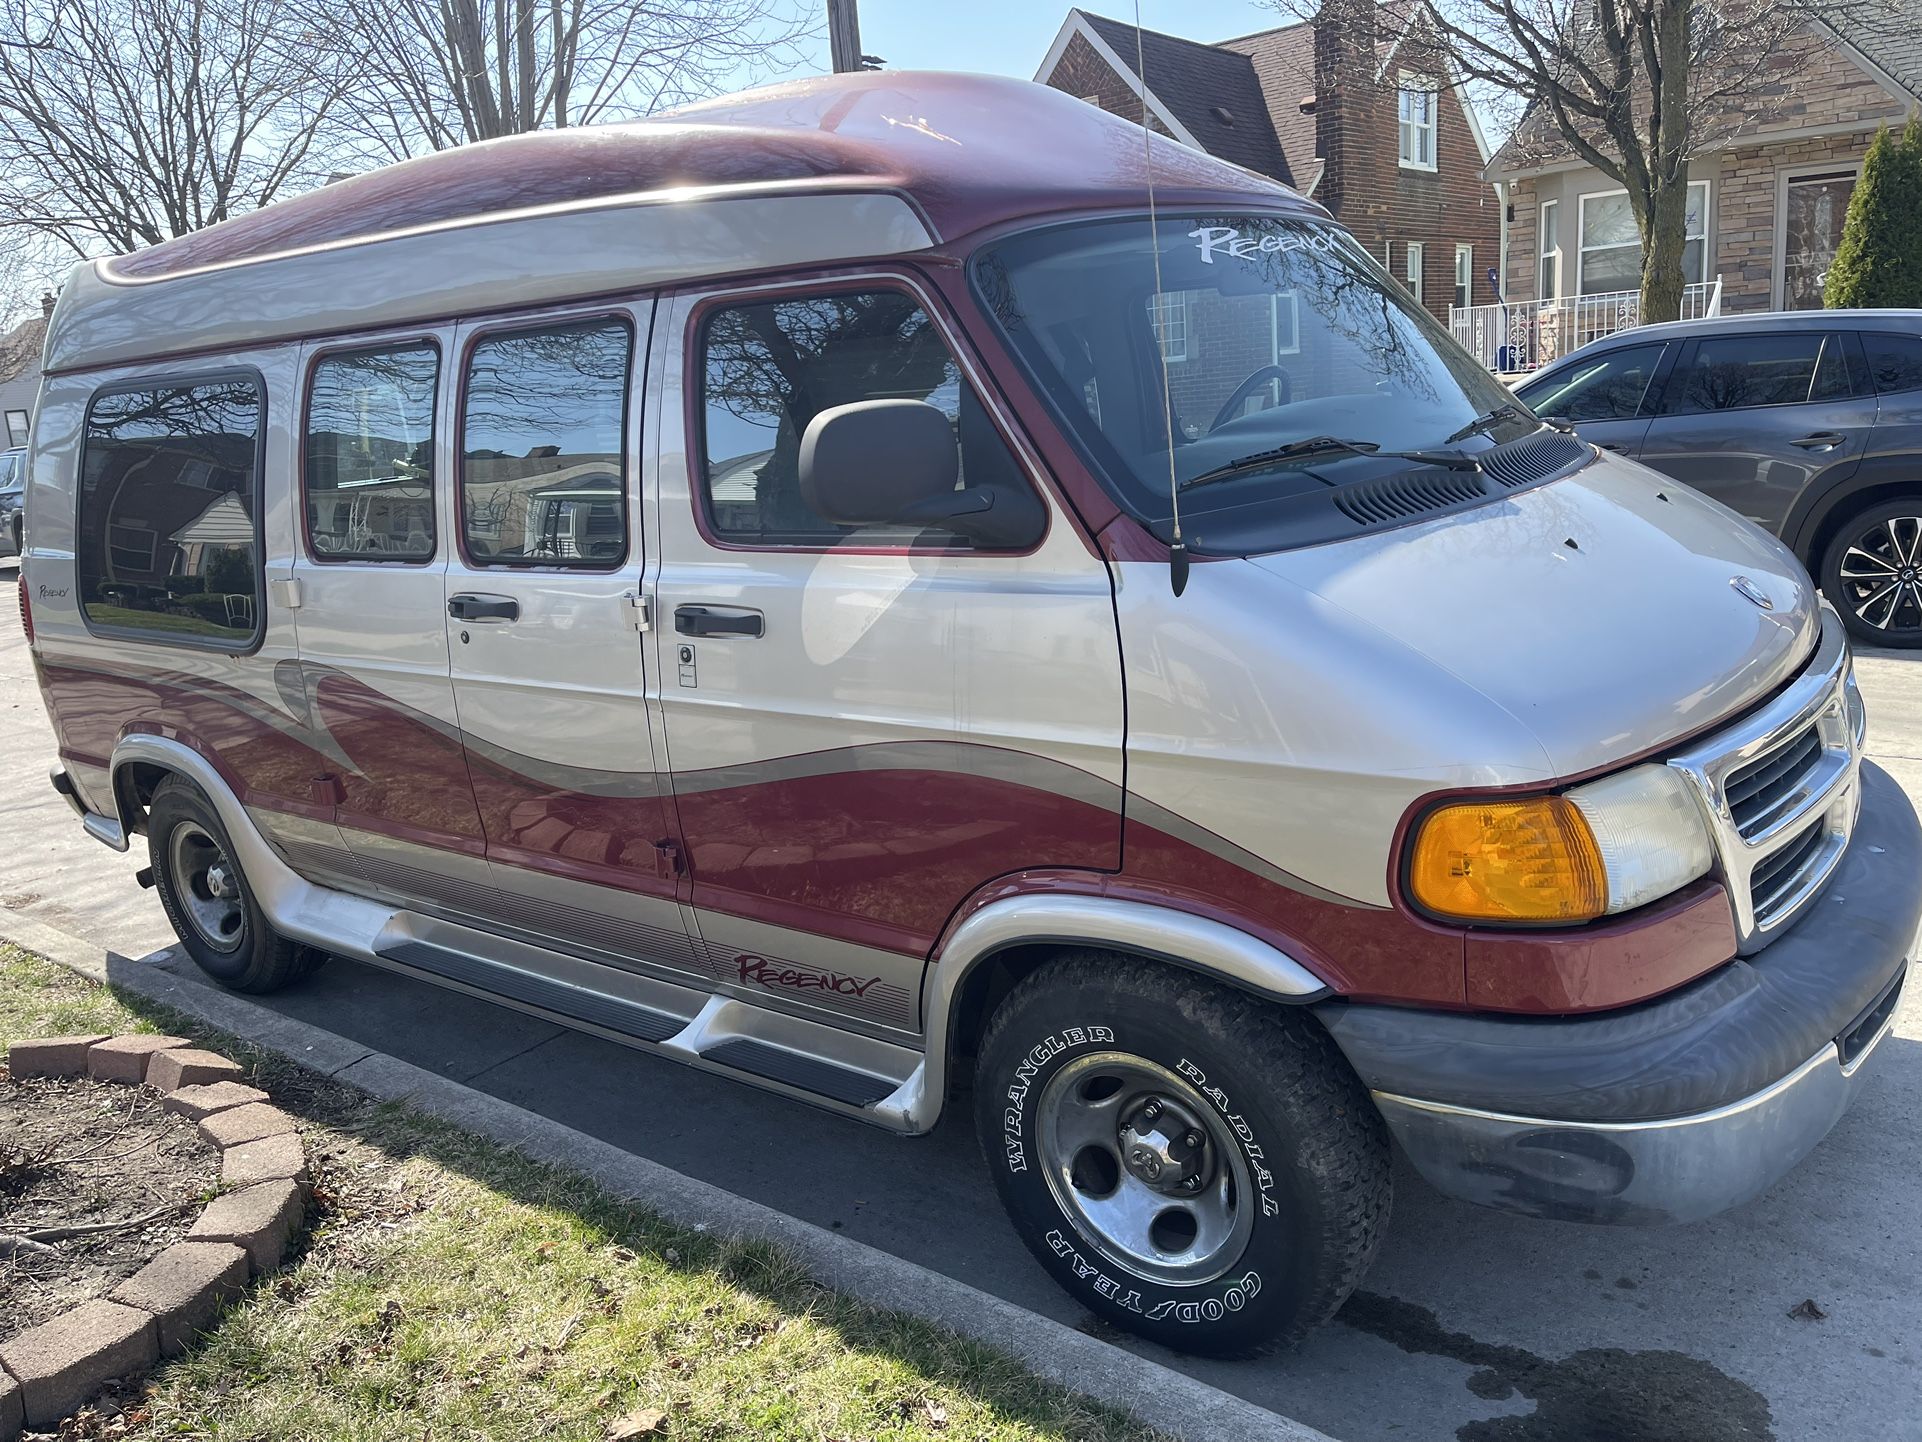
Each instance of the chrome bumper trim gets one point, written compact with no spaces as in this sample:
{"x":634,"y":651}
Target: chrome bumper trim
{"x":1676,"y":1169}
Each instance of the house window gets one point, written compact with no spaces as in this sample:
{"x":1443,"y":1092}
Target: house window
{"x":16,"y":428}
{"x":543,"y":470}
{"x":169,"y":544}
{"x":1550,"y":250}
{"x":1168,"y":314}
{"x":1412,"y":269}
{"x":1417,"y":106}
{"x":1284,"y":323}
{"x":1464,"y":276}
{"x":1611,"y":247}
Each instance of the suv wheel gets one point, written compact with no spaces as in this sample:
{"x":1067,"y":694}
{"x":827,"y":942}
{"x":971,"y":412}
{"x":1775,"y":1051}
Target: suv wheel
{"x":1191,"y":1164}
{"x":1872,"y":574}
{"x":207,"y":899}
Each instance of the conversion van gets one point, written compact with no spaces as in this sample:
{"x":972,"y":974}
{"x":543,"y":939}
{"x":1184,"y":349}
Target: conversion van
{"x":892,"y":589}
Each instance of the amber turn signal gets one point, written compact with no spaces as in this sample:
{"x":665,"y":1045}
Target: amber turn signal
{"x":1523,"y":860}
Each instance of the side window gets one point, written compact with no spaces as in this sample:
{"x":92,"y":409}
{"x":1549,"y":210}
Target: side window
{"x":1608,"y":388}
{"x":1895,"y":361}
{"x":769,"y":368}
{"x":543,"y":479}
{"x":169,"y":542}
{"x":370,"y":455}
{"x":1742,"y":369}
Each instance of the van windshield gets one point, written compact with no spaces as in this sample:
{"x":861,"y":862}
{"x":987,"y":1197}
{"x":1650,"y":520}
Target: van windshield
{"x":1276,"y":332}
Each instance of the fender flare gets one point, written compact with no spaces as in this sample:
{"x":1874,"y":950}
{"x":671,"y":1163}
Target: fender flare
{"x":1160,"y":933}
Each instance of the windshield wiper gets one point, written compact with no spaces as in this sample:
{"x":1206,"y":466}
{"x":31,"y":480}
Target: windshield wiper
{"x":1488,"y":420}
{"x":1323,"y":446}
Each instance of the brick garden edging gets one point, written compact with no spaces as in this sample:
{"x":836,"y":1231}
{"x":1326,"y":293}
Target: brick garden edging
{"x":48,"y":1371}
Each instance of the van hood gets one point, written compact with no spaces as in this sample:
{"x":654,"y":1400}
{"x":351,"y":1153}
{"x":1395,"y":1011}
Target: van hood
{"x":1609,"y":613}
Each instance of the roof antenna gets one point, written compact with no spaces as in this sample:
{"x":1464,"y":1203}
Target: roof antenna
{"x":1178,"y":548}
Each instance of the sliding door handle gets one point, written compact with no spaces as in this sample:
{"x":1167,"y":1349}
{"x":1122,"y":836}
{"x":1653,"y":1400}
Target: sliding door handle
{"x":718,"y":621}
{"x":483,"y":608}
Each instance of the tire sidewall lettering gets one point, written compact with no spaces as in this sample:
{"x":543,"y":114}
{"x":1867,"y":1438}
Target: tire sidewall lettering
{"x":1014,"y":1123}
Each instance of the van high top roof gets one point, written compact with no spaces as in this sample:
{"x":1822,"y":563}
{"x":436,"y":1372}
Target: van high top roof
{"x":834,"y":168}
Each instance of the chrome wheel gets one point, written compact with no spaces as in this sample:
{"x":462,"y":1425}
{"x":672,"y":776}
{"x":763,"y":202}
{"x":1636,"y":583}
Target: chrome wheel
{"x":1881,"y":574}
{"x":207,"y":884}
{"x":1147,"y":1168}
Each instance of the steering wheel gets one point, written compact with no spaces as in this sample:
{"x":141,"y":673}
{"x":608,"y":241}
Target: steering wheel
{"x":1247,"y":388}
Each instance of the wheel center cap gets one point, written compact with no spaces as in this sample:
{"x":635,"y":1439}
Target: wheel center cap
{"x":219,"y":883}
{"x":1908,"y":573}
{"x":1165,"y":1148}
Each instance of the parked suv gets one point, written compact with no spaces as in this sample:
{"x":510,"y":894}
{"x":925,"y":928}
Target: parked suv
{"x":1808,"y":423}
{"x":13,"y":483}
{"x":714,"y":583}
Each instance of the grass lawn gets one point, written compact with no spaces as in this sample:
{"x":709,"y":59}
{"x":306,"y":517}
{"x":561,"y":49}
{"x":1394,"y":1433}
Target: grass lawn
{"x":451,"y":1289}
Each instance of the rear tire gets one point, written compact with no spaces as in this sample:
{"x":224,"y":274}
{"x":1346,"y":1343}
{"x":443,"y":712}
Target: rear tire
{"x":1872,"y":574}
{"x":1192,"y":1164}
{"x":207,"y":899}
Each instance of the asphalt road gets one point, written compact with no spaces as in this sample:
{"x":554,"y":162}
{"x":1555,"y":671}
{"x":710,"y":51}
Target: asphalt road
{"x":1472,"y":1325}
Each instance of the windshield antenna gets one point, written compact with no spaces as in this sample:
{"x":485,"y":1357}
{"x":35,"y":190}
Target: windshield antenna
{"x":1178,"y":548}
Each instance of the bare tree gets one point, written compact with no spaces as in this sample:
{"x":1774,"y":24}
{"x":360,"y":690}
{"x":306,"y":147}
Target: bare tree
{"x":440,"y":73}
{"x":126,"y":122}
{"x":1632,"y":87}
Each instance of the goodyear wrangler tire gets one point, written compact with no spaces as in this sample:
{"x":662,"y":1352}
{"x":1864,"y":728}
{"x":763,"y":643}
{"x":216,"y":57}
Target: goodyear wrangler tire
{"x":207,"y":899}
{"x":1190,"y":1163}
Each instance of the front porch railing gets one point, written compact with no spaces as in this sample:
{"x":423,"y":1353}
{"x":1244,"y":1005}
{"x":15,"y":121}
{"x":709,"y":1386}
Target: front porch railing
{"x":1526,"y":335}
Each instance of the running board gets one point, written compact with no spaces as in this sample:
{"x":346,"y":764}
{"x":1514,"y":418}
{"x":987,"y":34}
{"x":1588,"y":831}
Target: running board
{"x":809,"y":1060}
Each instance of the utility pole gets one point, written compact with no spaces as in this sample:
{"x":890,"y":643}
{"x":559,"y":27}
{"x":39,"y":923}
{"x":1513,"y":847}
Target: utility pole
{"x":844,"y":35}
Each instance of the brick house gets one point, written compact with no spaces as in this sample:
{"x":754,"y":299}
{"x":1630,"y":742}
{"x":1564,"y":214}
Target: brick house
{"x":1397,"y":156}
{"x":1768,"y":188}
{"x":20,"y":375}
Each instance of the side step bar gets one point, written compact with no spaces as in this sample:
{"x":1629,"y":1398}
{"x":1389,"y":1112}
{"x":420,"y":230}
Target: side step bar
{"x":806,"y":1059}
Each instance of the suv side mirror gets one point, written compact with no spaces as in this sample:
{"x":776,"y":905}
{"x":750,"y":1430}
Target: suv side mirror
{"x":895,"y":462}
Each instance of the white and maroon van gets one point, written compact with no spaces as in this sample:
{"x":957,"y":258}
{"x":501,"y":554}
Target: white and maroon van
{"x":709,"y":582}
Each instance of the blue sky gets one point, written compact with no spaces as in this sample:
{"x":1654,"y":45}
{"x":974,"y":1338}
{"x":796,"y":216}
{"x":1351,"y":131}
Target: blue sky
{"x":1010,"y":37}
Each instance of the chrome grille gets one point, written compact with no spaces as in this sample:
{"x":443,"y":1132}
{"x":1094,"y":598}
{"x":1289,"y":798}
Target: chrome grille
{"x":1764,"y":790}
{"x":1779,"y":791}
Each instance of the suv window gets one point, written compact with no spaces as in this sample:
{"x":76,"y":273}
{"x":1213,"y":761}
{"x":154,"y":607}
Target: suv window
{"x":169,"y":542}
{"x":12,"y":472}
{"x":1740,"y":370}
{"x":543,"y":477}
{"x":1602,"y":388}
{"x":771,"y":367}
{"x":370,"y":455}
{"x":1895,"y":361}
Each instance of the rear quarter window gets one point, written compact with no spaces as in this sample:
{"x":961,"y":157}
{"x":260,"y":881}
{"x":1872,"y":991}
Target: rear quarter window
{"x":169,"y":529}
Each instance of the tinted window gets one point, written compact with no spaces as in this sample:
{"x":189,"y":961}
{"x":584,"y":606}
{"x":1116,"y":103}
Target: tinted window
{"x":370,"y":455}
{"x":542,"y":476}
{"x":1740,"y":370}
{"x":11,"y":470}
{"x":1603,"y":388}
{"x":169,"y":538}
{"x":1895,"y":361}
{"x":771,"y":368}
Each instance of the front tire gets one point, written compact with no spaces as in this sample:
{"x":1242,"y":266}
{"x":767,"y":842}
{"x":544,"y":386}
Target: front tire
{"x":1872,"y":574}
{"x":207,"y":899}
{"x":1192,"y":1164}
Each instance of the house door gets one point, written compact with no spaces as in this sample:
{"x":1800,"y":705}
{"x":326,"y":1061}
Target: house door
{"x":864,"y":726}
{"x":542,"y":627}
{"x":1814,"y":207}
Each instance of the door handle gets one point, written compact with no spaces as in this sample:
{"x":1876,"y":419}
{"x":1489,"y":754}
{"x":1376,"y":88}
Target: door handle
{"x":718,"y":621}
{"x":1820,"y":441}
{"x":483,"y":608}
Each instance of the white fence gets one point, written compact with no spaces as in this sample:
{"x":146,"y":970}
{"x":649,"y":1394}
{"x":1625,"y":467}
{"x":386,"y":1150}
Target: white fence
{"x":1525,"y":335}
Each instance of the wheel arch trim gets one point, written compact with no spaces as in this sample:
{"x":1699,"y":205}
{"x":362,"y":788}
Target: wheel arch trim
{"x":1156,"y":933}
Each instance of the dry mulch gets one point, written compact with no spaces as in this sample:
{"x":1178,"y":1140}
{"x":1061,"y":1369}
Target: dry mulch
{"x":82,"y":1154}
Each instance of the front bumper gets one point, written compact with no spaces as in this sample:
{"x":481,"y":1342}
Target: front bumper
{"x":1678,"y":1108}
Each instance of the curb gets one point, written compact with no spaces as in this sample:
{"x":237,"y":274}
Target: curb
{"x":1152,"y":1393}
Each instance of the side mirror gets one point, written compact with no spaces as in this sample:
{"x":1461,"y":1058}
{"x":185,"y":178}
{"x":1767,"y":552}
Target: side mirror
{"x":896,"y":462}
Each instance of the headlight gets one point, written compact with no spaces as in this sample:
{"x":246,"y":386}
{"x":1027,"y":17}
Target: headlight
{"x":1606,"y":847}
